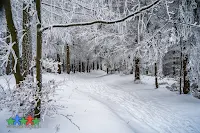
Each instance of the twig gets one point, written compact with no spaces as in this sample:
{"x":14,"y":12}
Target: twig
{"x":67,"y":116}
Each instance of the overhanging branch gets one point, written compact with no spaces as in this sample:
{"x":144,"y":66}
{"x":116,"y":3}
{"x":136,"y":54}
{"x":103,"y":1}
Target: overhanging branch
{"x":103,"y":22}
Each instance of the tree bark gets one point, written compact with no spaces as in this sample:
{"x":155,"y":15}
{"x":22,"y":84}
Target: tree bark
{"x":26,"y":43}
{"x":68,"y":59}
{"x":38,"y":59}
{"x":137,"y":69}
{"x":9,"y":65}
{"x":13,"y":32}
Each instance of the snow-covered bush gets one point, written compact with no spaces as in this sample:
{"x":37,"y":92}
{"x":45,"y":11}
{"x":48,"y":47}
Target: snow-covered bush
{"x":50,"y":64}
{"x":23,"y":99}
{"x":195,"y":90}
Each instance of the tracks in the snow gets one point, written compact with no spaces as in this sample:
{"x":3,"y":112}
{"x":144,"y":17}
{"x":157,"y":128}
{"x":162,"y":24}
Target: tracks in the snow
{"x":128,"y":106}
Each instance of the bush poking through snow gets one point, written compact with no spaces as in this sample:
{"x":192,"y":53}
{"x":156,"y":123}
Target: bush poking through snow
{"x":23,"y":99}
{"x":195,"y":90}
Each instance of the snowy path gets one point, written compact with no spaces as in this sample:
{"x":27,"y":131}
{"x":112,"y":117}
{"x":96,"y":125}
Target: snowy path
{"x":143,"y":113}
{"x":103,"y":103}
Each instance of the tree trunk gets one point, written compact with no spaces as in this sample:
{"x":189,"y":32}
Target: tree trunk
{"x":79,"y":66}
{"x":26,"y":43}
{"x":137,"y":69}
{"x":101,"y":67}
{"x":156,"y":78}
{"x":13,"y":32}
{"x":83,"y":66}
{"x":59,"y":66}
{"x":74,"y":67}
{"x":93,"y":65}
{"x":181,"y":62}
{"x":68,"y":60}
{"x":107,"y":70}
{"x":38,"y":59}
{"x":97,"y":65}
{"x":186,"y":82}
{"x":9,"y":65}
{"x":88,"y":65}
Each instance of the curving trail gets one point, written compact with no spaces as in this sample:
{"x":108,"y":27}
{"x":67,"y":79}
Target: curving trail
{"x":101,"y":103}
{"x":153,"y":112}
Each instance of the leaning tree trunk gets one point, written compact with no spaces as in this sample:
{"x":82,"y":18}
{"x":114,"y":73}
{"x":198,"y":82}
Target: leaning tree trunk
{"x":156,"y":77}
{"x":38,"y":59}
{"x":186,"y":82}
{"x":68,"y":60}
{"x":26,"y":43}
{"x":137,"y":69}
{"x":13,"y":32}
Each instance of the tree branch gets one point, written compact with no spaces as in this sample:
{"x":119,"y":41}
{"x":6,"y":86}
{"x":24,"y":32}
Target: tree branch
{"x":103,"y":22}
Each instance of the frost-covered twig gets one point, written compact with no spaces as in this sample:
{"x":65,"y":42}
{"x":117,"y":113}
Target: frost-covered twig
{"x":67,"y":116}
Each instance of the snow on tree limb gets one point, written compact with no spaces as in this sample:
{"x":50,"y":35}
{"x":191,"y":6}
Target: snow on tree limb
{"x":104,"y":22}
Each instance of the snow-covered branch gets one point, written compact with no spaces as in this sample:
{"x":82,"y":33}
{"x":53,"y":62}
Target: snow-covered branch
{"x":104,"y":22}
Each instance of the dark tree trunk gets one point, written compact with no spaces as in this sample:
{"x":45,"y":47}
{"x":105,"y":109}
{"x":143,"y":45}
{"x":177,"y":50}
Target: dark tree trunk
{"x":68,"y":60}
{"x":137,"y":69}
{"x":101,"y":67}
{"x":156,"y":78}
{"x":13,"y":32}
{"x":83,"y":66}
{"x":97,"y":65}
{"x":107,"y":70}
{"x":181,"y":67}
{"x":74,"y":67}
{"x":93,"y":65}
{"x":59,"y":66}
{"x":88,"y":63}
{"x":38,"y":58}
{"x":79,"y":66}
{"x":186,"y":82}
{"x":63,"y":65}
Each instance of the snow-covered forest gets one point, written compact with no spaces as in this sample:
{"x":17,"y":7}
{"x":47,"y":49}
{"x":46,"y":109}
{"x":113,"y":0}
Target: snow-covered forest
{"x":100,"y":66}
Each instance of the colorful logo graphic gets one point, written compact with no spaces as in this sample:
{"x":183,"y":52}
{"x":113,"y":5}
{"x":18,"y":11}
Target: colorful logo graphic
{"x":23,"y":122}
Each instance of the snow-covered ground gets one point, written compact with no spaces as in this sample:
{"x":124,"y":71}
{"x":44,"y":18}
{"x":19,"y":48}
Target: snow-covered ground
{"x":103,"y":103}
